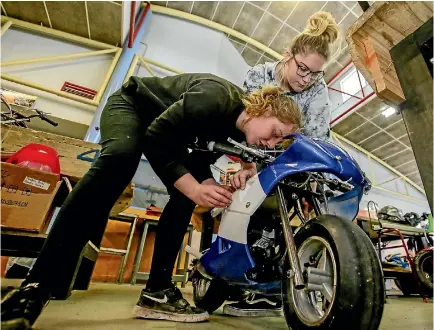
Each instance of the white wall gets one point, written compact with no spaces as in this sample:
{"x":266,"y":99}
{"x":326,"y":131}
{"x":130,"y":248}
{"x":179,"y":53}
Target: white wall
{"x":88,"y":72}
{"x":418,"y":203}
{"x":191,"y":47}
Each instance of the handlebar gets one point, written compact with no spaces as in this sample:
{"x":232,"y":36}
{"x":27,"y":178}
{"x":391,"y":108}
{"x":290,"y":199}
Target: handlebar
{"x":224,"y":148}
{"x":250,"y":155}
{"x":247,"y":154}
{"x":48,"y":120}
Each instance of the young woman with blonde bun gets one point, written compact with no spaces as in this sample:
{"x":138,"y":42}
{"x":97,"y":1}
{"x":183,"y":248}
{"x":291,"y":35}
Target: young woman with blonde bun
{"x":301,"y":71}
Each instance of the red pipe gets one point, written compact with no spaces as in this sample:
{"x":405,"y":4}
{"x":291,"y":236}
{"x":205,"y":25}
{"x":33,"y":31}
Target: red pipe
{"x":360,"y":82}
{"x":352,"y":107}
{"x":132,"y":23}
{"x":342,"y":92}
{"x":339,"y":72}
{"x":141,"y":20}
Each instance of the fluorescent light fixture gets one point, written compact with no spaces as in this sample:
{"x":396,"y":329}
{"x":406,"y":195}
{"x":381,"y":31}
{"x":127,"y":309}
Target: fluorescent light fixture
{"x":388,"y":112}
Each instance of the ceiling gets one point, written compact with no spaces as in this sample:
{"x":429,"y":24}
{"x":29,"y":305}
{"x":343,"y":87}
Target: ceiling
{"x":97,"y":20}
{"x":384,"y":137}
{"x":273,"y":23}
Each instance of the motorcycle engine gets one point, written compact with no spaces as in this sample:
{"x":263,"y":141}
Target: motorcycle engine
{"x":264,"y":239}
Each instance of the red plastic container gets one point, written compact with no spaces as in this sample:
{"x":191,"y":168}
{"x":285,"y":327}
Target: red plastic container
{"x":37,"y":156}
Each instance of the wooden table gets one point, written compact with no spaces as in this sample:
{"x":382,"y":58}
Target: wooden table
{"x":16,"y":243}
{"x":21,"y":244}
{"x":150,"y":221}
{"x":14,"y":138}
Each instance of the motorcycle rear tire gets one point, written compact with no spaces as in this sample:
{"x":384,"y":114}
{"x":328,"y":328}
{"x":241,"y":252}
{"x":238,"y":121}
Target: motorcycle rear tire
{"x":214,"y":297}
{"x":426,"y":279}
{"x":359,"y":296}
{"x":407,"y":285}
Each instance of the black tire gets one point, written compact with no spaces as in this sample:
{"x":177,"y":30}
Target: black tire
{"x":424,"y":268}
{"x":215,"y":295}
{"x":359,"y":297}
{"x":407,"y":285}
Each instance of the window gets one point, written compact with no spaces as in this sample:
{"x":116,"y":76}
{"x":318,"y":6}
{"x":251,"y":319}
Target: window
{"x":350,"y":84}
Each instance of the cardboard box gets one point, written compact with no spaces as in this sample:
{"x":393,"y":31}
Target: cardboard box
{"x":26,"y":197}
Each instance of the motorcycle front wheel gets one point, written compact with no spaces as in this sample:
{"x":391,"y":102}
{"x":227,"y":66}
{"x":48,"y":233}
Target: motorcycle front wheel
{"x":344,"y":280}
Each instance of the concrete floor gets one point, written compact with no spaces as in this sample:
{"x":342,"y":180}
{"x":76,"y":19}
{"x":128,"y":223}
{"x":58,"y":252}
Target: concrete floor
{"x":108,"y":307}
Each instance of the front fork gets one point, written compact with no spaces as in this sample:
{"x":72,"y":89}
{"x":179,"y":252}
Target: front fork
{"x":294,"y":262}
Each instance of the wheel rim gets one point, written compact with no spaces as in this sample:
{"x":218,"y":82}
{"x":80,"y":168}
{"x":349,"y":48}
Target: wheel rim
{"x":201,"y":286}
{"x":313,"y":304}
{"x":427,"y":268}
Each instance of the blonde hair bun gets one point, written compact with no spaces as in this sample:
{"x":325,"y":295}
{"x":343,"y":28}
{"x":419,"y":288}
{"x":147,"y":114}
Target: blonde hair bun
{"x":322,"y":24}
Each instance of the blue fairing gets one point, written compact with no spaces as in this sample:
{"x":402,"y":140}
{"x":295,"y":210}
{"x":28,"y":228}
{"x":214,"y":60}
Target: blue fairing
{"x":230,"y":260}
{"x":308,"y":155}
{"x":345,"y":205}
{"x":223,"y":255}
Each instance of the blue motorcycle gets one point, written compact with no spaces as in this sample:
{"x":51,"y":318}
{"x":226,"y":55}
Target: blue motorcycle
{"x":325,"y":268}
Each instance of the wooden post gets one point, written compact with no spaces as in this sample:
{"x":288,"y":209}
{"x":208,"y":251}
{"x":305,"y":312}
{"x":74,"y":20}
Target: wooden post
{"x":417,"y":111}
{"x":386,"y":82}
{"x":381,"y":27}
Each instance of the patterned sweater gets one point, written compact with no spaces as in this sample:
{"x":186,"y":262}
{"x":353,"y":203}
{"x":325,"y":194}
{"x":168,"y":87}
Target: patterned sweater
{"x":314,"y":102}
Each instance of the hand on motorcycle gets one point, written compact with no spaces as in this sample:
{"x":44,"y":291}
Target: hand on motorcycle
{"x":239,"y":179}
{"x":210,"y":194}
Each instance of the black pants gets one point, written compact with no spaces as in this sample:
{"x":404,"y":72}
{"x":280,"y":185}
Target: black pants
{"x":84,"y":214}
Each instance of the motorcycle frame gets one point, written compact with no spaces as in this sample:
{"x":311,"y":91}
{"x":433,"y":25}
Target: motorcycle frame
{"x":304,"y":156}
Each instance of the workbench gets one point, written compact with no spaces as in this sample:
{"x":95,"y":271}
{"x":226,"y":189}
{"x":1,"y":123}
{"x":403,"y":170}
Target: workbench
{"x":25,"y":244}
{"x":405,"y":278}
{"x":13,"y":138}
{"x":406,"y":230}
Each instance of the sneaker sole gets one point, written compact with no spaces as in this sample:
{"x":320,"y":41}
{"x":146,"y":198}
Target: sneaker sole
{"x":15,"y":324}
{"x":252,"y":312}
{"x":147,"y":313}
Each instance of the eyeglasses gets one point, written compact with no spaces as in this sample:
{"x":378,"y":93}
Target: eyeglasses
{"x":304,"y":71}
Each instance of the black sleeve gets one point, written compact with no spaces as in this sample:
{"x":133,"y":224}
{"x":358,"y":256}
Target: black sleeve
{"x":167,"y":138}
